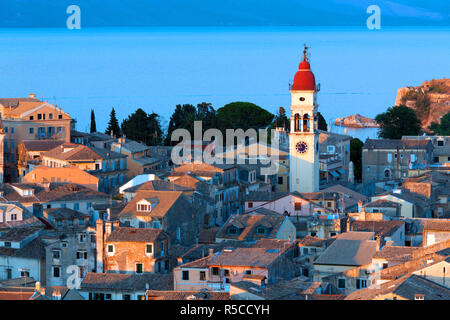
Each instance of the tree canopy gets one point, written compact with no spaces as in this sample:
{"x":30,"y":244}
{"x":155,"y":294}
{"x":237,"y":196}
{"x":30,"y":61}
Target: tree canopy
{"x":184,"y":116}
{"x":442,"y":129}
{"x":143,"y":127}
{"x":113,"y":124}
{"x":322,"y":123}
{"x":356,"y":147}
{"x":398,"y":121}
{"x":243,"y":115}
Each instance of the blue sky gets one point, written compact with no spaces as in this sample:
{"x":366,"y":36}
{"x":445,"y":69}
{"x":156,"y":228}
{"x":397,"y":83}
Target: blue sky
{"x":51,"y":13}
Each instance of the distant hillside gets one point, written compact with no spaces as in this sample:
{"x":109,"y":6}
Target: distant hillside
{"x":431,"y":100}
{"x":104,"y":13}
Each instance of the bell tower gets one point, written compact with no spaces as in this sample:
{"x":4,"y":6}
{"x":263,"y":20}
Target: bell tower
{"x":304,"y":135}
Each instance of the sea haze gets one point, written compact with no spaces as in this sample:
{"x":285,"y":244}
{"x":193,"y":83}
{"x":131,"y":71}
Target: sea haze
{"x":156,"y":68}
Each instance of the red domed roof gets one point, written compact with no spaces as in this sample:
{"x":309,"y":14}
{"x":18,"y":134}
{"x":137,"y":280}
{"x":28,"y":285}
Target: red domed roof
{"x":304,"y":65}
{"x":304,"y":78}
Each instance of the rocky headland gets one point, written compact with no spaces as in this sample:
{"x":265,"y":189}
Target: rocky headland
{"x":356,"y":121}
{"x":431,"y":100}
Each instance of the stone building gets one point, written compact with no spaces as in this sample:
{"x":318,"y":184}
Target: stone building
{"x":71,"y":246}
{"x":387,"y":160}
{"x":170,"y":211}
{"x":133,"y":250}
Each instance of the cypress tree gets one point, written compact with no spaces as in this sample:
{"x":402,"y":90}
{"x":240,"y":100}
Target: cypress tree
{"x":113,"y":125}
{"x":93,"y":125}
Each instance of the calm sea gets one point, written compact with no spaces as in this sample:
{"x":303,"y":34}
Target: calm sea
{"x":156,"y":68}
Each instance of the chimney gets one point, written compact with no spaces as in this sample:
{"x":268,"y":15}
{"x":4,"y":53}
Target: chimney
{"x":56,"y":294}
{"x":108,"y":228}
{"x":32,"y":95}
{"x":210,"y":251}
{"x":378,"y":240}
{"x":99,"y":235}
{"x":360,"y":205}
{"x":37,"y":286}
{"x":46,"y":186}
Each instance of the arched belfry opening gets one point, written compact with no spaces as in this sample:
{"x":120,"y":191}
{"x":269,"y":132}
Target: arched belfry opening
{"x":306,"y":123}
{"x":297,"y":122}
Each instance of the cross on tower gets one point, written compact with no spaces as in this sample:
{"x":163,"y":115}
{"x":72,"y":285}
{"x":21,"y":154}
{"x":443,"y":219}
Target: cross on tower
{"x":305,"y":52}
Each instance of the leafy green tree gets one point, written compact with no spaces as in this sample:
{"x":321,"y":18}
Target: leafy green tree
{"x":322,"y":125}
{"x":143,"y":127}
{"x":113,"y":124}
{"x":398,"y":121}
{"x":206,"y":114}
{"x":182,"y":118}
{"x":442,"y":129}
{"x":185,"y":115}
{"x":356,"y":147}
{"x":279,"y":121}
{"x":93,"y":125}
{"x":243,"y":115}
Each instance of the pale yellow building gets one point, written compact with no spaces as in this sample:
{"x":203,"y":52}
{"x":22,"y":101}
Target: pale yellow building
{"x":29,"y":119}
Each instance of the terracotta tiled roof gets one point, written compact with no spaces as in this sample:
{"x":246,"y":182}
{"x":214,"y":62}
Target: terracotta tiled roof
{"x":394,"y":144}
{"x":406,"y":287}
{"x":187,"y":295}
{"x":68,"y":174}
{"x":384,"y":228}
{"x":24,"y":106}
{"x":41,"y":145}
{"x":437,"y":225}
{"x":207,"y":235}
{"x":14,"y":102}
{"x":34,"y":250}
{"x":245,"y":257}
{"x":187,"y":181}
{"x":167,"y":200}
{"x":126,"y":282}
{"x":311,"y":241}
{"x":81,"y":152}
{"x":395,"y":253}
{"x":134,"y":235}
{"x":251,"y":257}
{"x":65,"y":213}
{"x":55,"y":192}
{"x":17,"y":234}
{"x":192,"y":167}
{"x":248,"y":224}
{"x":159,"y":185}
{"x":351,"y":197}
{"x":382,"y":203}
{"x":16,"y":295}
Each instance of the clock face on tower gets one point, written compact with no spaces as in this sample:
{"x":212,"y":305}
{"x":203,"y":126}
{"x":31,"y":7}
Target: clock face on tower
{"x":301,"y":147}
